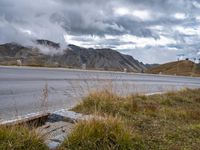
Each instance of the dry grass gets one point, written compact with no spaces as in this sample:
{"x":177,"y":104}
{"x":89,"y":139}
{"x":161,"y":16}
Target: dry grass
{"x":184,"y":68}
{"x":167,"y":121}
{"x":20,"y":138}
{"x":106,"y":134}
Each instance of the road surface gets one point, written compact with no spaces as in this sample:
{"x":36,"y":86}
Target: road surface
{"x":26,"y":90}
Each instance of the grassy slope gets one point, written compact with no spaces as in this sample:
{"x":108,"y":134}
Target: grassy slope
{"x":168,"y":121}
{"x":185,"y":68}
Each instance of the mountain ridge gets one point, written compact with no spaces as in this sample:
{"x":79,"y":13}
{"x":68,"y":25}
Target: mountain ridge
{"x":73,"y":57}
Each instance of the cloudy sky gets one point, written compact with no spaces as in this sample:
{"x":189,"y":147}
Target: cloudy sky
{"x":152,"y":31}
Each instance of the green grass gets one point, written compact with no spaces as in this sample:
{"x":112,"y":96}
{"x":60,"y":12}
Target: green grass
{"x":20,"y":138}
{"x":167,"y":121}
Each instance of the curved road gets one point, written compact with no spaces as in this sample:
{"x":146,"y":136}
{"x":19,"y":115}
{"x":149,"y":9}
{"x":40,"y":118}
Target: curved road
{"x":25,"y":90}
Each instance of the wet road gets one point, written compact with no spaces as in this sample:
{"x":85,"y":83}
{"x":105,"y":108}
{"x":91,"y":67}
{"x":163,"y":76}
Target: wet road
{"x":25,"y":90}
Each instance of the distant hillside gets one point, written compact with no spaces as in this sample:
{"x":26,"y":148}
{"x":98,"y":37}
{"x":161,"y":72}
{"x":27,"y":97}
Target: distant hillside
{"x":148,"y":66}
{"x":73,"y":57}
{"x":183,"y":68}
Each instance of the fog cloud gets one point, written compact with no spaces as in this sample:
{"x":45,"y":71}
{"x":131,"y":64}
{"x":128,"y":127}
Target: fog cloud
{"x":153,"y":31}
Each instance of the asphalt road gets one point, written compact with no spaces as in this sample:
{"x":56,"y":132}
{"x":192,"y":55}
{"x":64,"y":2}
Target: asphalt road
{"x":25,"y":90}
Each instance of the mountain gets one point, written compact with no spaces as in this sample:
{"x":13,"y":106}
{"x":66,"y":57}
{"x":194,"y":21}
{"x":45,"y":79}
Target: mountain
{"x":183,"y":68}
{"x":48,"y":43}
{"x":148,"y":66}
{"x":73,"y":57}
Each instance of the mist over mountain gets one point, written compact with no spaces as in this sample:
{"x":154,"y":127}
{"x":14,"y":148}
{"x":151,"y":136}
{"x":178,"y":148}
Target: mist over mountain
{"x":72,"y":56}
{"x":47,"y":43}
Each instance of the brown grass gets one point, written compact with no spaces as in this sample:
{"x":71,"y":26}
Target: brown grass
{"x":20,"y":138}
{"x":167,"y":121}
{"x":183,"y":68}
{"x":106,"y":134}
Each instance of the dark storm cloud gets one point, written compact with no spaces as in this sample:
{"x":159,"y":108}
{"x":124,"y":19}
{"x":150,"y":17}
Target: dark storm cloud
{"x":140,"y":27}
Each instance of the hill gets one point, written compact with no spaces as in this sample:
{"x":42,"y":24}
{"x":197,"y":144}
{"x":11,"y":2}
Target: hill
{"x":73,"y":57}
{"x":148,"y":66}
{"x":183,"y":68}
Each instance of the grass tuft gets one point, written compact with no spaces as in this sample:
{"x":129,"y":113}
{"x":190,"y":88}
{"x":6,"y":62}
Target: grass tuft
{"x":20,"y":138}
{"x":106,"y":134}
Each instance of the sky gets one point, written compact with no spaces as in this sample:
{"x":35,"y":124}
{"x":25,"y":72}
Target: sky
{"x":152,"y":31}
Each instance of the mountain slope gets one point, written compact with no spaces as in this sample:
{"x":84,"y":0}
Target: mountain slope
{"x":148,"y":66}
{"x":184,"y":68}
{"x":73,"y":56}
